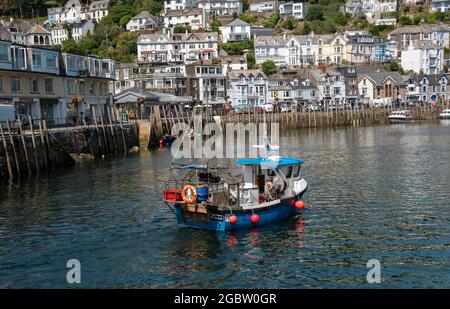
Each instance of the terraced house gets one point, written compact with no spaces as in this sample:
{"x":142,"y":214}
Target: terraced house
{"x":47,"y":84}
{"x":247,"y":87}
{"x":431,"y":88}
{"x":313,"y":49}
{"x":169,"y":47}
{"x":382,"y":87}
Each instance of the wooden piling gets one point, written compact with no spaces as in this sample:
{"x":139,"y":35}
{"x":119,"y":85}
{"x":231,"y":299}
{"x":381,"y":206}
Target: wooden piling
{"x":33,"y":141}
{"x":22,"y":137}
{"x":8,"y":161}
{"x":43,"y":144}
{"x":11,"y":140}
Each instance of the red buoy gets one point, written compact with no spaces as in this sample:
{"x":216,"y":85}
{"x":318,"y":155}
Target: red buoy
{"x":254,"y":218}
{"x":299,"y":204}
{"x":161,"y":142}
{"x":233,"y":219}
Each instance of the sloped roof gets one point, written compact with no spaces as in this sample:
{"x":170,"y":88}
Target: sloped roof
{"x":98,"y":5}
{"x":433,"y":79}
{"x":142,"y":15}
{"x":380,"y":77}
{"x":270,"y":40}
{"x":237,"y":22}
{"x":246,"y":73}
{"x":152,"y":97}
{"x":160,"y":37}
{"x":422,"y":28}
{"x":188,"y":11}
{"x":37,"y":29}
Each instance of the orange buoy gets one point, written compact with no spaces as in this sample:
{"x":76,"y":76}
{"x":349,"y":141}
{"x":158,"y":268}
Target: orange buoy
{"x":299,"y":204}
{"x":189,"y":194}
{"x":233,"y":219}
{"x":254,"y":218}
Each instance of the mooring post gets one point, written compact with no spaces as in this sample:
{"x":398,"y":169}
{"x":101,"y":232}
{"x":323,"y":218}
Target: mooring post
{"x":43,"y":145}
{"x":8,"y":161}
{"x":11,"y":140}
{"x":24,"y":144}
{"x":33,"y":143}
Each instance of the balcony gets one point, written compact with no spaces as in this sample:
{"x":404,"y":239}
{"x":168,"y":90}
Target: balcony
{"x":239,"y":36}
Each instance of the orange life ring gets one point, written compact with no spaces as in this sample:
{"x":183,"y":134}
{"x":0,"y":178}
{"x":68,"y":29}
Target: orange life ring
{"x":189,"y":198}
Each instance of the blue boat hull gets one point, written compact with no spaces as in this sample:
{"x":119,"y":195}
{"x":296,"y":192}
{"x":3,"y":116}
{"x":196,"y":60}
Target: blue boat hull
{"x":220,"y":221}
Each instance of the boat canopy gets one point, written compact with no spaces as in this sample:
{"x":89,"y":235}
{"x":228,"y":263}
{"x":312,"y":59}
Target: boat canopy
{"x":267,"y":162}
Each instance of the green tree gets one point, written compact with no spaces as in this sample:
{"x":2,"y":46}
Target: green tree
{"x":124,"y":20}
{"x":405,"y":20}
{"x":238,"y":48}
{"x":272,"y":21}
{"x":269,"y":67}
{"x":215,"y":24}
{"x":182,"y":29}
{"x":290,"y":23}
{"x":314,"y":13}
{"x":247,"y":18}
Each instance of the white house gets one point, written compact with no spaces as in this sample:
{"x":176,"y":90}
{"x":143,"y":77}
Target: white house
{"x":194,"y":17}
{"x":295,"y":9}
{"x":263,"y":6}
{"x":271,"y":48}
{"x":79,"y":30}
{"x":233,"y":62}
{"x":440,"y":6}
{"x":143,"y":21}
{"x":247,"y":87}
{"x":177,"y":47}
{"x":172,"y":5}
{"x":423,"y":57}
{"x":73,"y":11}
{"x":330,"y":85}
{"x":99,"y":9}
{"x":221,"y":7}
{"x":236,"y":30}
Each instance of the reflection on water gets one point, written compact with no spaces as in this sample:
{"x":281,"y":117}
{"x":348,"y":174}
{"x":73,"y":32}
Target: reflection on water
{"x":377,"y":192}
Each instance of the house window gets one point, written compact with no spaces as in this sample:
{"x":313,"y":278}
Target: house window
{"x":37,"y":59}
{"x":15,"y":84}
{"x":81,"y":87}
{"x":1,"y":85}
{"x":443,"y":88}
{"x":70,"y":87}
{"x":34,"y":85}
{"x":91,"y":88}
{"x":3,"y":52}
{"x":49,"y":85}
{"x":424,"y":88}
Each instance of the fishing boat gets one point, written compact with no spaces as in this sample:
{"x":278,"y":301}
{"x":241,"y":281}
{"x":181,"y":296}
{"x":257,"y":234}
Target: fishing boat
{"x":445,"y":114}
{"x":209,"y":196}
{"x":401,"y":116}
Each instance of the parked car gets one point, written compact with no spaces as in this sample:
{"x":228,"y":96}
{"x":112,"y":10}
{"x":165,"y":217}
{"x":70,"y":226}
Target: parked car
{"x":314,"y":107}
{"x":268,"y":107}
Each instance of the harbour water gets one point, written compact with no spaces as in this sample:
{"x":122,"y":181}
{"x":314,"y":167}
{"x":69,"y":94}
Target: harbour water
{"x":379,"y":192}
